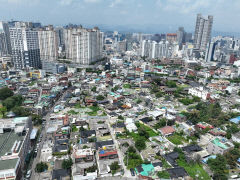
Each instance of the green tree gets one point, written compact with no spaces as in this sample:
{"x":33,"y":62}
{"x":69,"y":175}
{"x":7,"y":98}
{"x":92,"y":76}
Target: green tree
{"x":3,"y":110}
{"x":219,"y":167}
{"x":9,"y":103}
{"x":20,"y":111}
{"x":114,"y":167}
{"x":100,"y":97}
{"x":171,"y":84}
{"x":140,"y":144}
{"x":67,"y":163}
{"x":232,"y":156}
{"x":5,"y":93}
{"x":94,"y":89}
{"x":36,"y":119}
{"x":40,"y":167}
{"x":163,"y":175}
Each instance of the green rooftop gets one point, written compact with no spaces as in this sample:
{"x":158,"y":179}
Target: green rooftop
{"x":8,"y":164}
{"x":147,"y":170}
{"x":217,"y":142}
{"x":7,"y":141}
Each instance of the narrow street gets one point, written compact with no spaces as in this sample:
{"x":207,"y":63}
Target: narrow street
{"x":35,"y":175}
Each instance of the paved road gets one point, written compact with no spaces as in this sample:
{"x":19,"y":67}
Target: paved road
{"x":43,"y":133}
{"x":127,"y":173}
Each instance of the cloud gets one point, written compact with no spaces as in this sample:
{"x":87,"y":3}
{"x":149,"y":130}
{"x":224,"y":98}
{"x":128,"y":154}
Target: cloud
{"x":92,"y":1}
{"x":184,"y":6}
{"x":66,"y":2}
{"x":114,"y":3}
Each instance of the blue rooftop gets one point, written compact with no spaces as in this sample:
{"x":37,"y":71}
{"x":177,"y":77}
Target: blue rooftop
{"x":235,"y":120}
{"x":209,"y":157}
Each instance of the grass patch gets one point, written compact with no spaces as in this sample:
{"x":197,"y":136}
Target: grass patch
{"x":72,"y":112}
{"x":177,"y":139}
{"x":94,"y":111}
{"x":150,"y":132}
{"x":193,"y":169}
{"x":127,"y":86}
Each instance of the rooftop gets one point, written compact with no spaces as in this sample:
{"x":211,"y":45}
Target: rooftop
{"x":7,"y":141}
{"x":8,"y":164}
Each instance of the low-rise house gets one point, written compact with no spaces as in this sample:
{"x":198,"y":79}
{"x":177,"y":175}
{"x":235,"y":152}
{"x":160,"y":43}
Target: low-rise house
{"x":236,"y":137}
{"x":219,"y":145}
{"x":167,"y":130}
{"x":107,"y":154}
{"x":177,"y":172}
{"x":145,"y":171}
{"x":82,"y":155}
{"x":217,"y":132}
{"x":102,"y":144}
{"x":199,"y":92}
{"x":130,"y":125}
{"x":204,"y":125}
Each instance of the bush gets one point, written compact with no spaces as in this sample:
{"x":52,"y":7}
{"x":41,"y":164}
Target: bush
{"x":67,"y":163}
{"x":5,"y":93}
{"x":41,"y":167}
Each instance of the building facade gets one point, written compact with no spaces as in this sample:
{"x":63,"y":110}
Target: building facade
{"x":203,"y":31}
{"x":83,"y":46}
{"x":48,"y":44}
{"x":25,"y":47}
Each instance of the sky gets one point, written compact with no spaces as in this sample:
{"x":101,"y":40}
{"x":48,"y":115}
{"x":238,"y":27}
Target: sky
{"x":138,"y":14}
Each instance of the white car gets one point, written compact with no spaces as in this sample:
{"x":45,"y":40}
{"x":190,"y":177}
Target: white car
{"x":28,"y":175}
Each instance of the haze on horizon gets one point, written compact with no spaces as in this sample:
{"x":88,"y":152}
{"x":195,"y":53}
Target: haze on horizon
{"x":129,"y":13}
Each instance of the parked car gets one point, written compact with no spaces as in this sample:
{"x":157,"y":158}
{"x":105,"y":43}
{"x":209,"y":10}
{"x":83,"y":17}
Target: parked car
{"x":28,"y":175}
{"x":132,"y":172}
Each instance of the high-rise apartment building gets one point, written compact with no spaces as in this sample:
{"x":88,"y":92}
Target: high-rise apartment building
{"x":203,"y":31}
{"x":152,"y":49}
{"x":83,"y":46}
{"x":48,"y":44}
{"x":5,"y":44}
{"x":25,"y":47}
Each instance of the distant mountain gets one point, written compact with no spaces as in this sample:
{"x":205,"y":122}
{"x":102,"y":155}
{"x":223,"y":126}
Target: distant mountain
{"x":153,"y":29}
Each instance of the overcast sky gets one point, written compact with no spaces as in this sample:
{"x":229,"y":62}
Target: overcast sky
{"x":124,"y":12}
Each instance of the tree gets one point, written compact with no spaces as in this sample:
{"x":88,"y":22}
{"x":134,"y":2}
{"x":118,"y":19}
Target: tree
{"x":40,"y":167}
{"x":140,"y":144}
{"x":3,"y":110}
{"x":171,"y":84}
{"x":100,"y":97}
{"x":5,"y":93}
{"x":232,"y":157}
{"x":142,"y":132}
{"x":163,"y":175}
{"x":67,"y":163}
{"x":114,"y":167}
{"x":9,"y":103}
{"x":159,"y":94}
{"x":219,"y":167}
{"x":36,"y":119}
{"x":20,"y":111}
{"x":94,"y":89}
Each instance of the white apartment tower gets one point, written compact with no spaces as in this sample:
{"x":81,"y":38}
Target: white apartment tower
{"x":152,"y":49}
{"x":83,"y":46}
{"x":203,"y":31}
{"x":25,"y":47}
{"x":48,"y":44}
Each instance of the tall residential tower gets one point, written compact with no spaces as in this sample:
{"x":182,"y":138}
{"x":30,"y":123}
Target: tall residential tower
{"x":203,"y":31}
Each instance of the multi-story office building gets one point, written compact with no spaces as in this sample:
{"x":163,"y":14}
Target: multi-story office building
{"x":5,"y":45}
{"x":48,"y":45}
{"x":83,"y":46}
{"x":203,"y":31}
{"x":25,"y":47}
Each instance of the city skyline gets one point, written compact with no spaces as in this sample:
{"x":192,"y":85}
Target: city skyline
{"x":109,"y":13}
